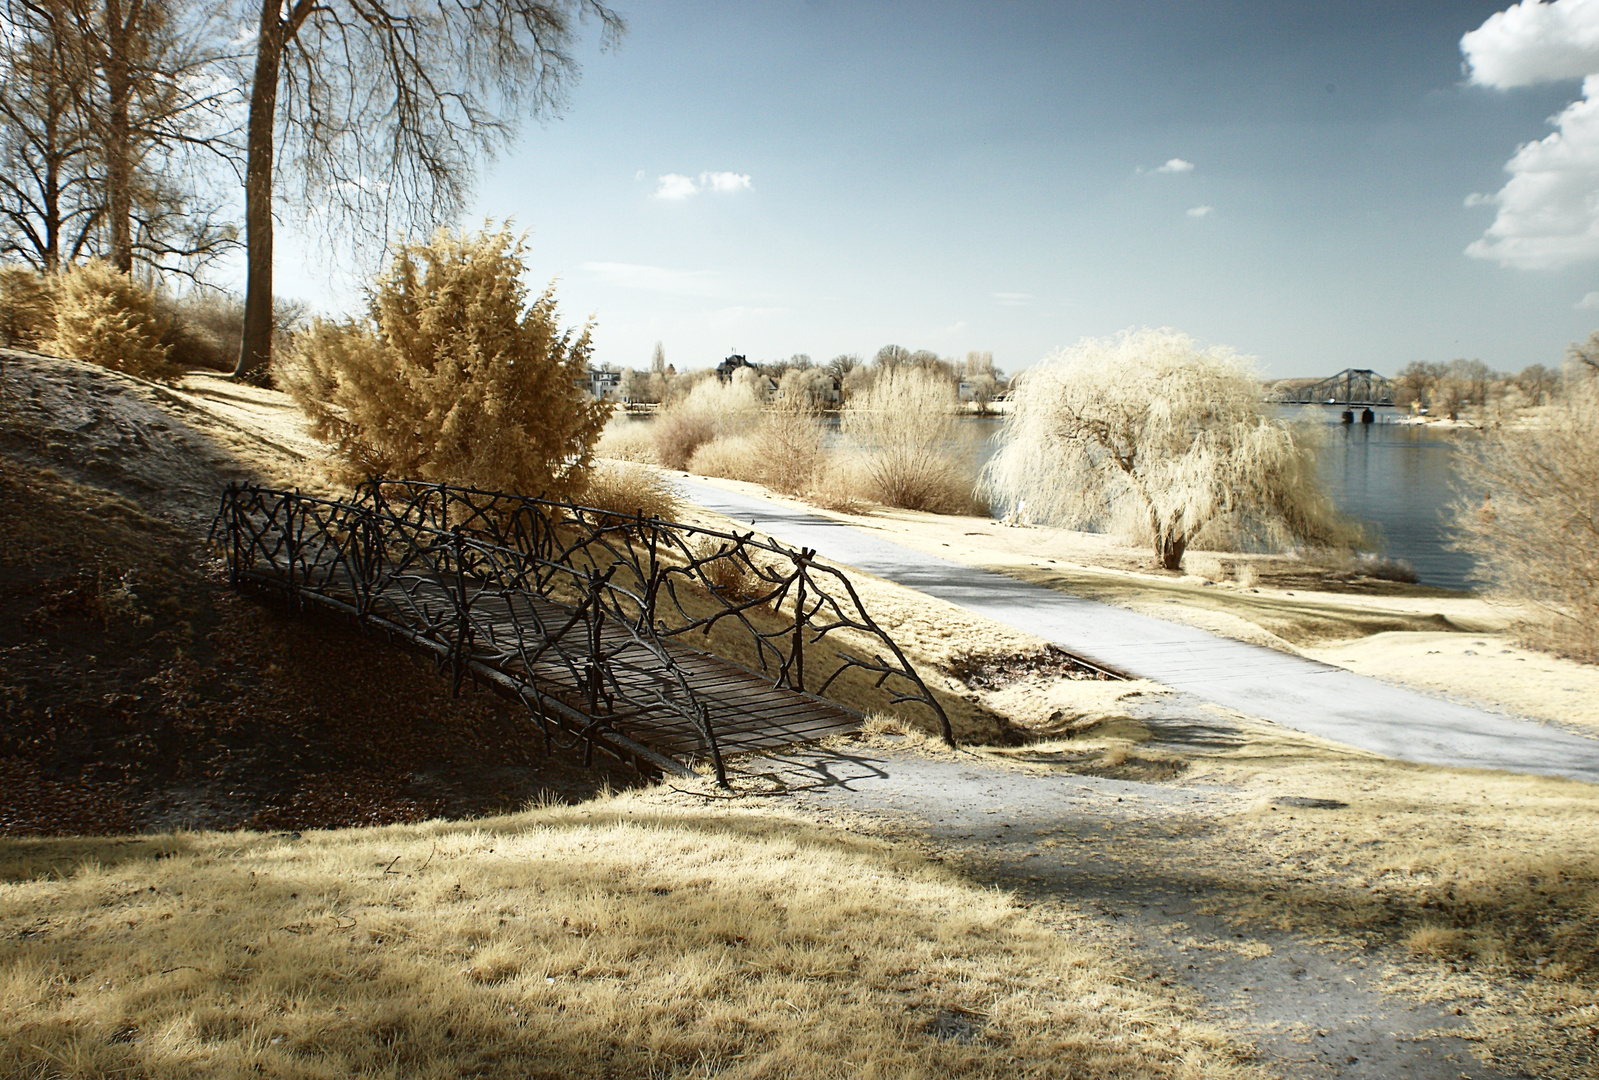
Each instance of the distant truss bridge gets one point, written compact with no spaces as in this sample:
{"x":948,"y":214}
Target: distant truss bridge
{"x":1349,"y":388}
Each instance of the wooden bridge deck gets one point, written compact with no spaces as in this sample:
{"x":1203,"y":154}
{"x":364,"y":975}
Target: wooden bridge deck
{"x":746,"y":710}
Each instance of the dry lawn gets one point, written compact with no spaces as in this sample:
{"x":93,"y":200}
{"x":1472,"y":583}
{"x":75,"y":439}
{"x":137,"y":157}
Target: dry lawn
{"x":608,"y":940}
{"x":1488,"y":881}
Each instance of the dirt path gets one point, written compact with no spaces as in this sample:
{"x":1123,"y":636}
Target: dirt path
{"x":1084,"y":851}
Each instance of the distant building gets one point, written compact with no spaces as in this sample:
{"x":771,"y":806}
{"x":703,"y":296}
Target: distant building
{"x":600,"y":385}
{"x":724,"y":370}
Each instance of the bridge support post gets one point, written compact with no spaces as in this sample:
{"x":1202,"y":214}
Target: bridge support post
{"x":463,"y":622}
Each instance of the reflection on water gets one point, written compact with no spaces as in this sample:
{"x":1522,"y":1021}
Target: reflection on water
{"x":1395,"y":476}
{"x":1402,"y":479}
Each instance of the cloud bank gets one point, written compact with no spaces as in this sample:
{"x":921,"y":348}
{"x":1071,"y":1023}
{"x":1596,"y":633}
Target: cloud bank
{"x":675,"y":186}
{"x":1548,"y":211}
{"x":1533,"y":42}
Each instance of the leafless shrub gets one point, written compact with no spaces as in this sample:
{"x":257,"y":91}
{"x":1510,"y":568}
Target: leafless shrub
{"x":904,"y":426}
{"x":27,"y":307}
{"x":1147,"y":433}
{"x":679,"y":434}
{"x":454,"y":377}
{"x":788,"y":443}
{"x":107,"y":318}
{"x":626,"y":489}
{"x":710,"y":409}
{"x":1531,"y":517}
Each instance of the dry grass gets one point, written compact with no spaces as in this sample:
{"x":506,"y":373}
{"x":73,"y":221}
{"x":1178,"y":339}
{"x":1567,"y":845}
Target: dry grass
{"x":732,"y":457}
{"x":27,"y":307}
{"x":1490,"y":880}
{"x":626,"y":488}
{"x":627,"y":440}
{"x":607,"y":940}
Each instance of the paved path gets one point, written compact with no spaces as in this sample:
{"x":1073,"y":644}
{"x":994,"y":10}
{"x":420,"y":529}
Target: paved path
{"x":1288,"y":690}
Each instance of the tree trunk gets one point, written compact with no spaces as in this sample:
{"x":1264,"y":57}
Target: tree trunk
{"x":1169,"y":550}
{"x":255,"y":351}
{"x":118,"y":134}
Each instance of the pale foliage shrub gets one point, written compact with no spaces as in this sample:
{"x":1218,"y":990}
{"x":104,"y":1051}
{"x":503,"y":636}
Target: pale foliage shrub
{"x":626,"y":489}
{"x":27,"y":307}
{"x":627,"y":440}
{"x":710,"y":409}
{"x":904,"y":427}
{"x":841,"y":483}
{"x":732,"y":457}
{"x":1533,"y":523}
{"x":453,"y":376}
{"x":789,"y":446}
{"x":107,"y":318}
{"x":1148,"y":434}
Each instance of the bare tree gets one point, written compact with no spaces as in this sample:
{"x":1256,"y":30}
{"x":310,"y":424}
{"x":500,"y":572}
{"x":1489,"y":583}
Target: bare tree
{"x":50,"y":201}
{"x":110,"y":123}
{"x":383,"y":108}
{"x":1537,"y":382}
{"x":1148,"y":433}
{"x":658,"y":360}
{"x":1585,"y":353}
{"x":1531,"y":517}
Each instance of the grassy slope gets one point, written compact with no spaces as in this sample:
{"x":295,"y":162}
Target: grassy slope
{"x":608,"y":940}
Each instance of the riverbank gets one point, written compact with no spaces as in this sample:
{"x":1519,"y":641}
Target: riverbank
{"x":1442,"y":641}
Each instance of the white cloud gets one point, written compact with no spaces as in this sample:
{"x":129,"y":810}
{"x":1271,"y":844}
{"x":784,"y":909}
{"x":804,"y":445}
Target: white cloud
{"x":1013,"y":299}
{"x":725,"y":181}
{"x":1549,"y":209}
{"x":638,"y":175}
{"x":1173,"y":165}
{"x":1590,"y":302}
{"x":656,"y":278}
{"x":675,"y":186}
{"x":1533,"y":42}
{"x":1201,"y":211}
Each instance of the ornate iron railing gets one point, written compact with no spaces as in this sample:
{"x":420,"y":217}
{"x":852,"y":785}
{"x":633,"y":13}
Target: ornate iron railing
{"x":573,"y":610}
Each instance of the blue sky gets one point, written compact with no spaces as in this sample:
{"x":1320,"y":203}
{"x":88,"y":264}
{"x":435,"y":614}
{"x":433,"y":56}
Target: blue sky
{"x":830,"y":177}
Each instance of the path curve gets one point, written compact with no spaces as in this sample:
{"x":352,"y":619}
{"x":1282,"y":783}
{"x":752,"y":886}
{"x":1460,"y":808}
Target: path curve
{"x":1290,"y":690}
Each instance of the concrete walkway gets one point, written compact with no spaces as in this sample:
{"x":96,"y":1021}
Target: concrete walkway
{"x":1288,"y":690}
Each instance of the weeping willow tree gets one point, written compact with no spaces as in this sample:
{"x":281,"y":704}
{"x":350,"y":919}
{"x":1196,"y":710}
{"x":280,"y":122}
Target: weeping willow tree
{"x":1148,"y":434}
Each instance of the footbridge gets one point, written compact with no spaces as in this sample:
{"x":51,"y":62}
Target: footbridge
{"x":660,"y":643}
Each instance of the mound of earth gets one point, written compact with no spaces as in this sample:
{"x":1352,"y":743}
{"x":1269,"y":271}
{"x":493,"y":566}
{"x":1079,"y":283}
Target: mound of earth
{"x":137,"y":691}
